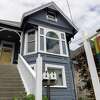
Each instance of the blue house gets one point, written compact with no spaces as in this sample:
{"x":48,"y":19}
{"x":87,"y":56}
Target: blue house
{"x":39,"y":43}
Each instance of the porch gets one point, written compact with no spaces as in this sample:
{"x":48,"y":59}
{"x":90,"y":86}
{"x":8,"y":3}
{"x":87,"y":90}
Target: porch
{"x":9,"y":46}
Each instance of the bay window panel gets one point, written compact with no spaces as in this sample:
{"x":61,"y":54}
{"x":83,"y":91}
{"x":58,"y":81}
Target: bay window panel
{"x":30,"y":41}
{"x":41,"y":31}
{"x":31,"y":46}
{"x":42,"y":43}
{"x":31,"y":36}
{"x":64,"y":47}
{"x":62,"y":36}
{"x":52,"y":46}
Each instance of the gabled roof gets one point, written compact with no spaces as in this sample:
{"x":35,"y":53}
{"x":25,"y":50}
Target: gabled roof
{"x":49,"y":5}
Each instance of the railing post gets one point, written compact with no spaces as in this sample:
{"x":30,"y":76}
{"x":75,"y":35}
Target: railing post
{"x":92,"y":67}
{"x":38,"y":95}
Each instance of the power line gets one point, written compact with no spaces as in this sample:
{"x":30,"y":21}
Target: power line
{"x":69,"y":10}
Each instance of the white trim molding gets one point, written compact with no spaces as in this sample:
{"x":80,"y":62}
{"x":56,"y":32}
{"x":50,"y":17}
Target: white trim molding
{"x":63,"y":73}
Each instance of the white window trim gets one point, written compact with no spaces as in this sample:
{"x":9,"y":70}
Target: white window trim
{"x":26,"y":45}
{"x":63,"y":73}
{"x":60,"y":41}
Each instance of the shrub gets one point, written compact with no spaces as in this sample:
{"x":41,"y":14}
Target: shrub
{"x":29,"y":97}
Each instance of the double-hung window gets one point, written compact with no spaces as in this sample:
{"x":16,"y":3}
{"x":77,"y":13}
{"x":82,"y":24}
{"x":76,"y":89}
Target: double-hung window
{"x":30,"y":42}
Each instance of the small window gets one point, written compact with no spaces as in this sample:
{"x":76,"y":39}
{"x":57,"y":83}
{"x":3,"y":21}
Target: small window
{"x":60,"y":72}
{"x":51,"y":16}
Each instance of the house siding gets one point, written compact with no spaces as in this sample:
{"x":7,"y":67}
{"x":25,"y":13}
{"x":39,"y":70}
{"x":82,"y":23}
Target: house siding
{"x":39,"y":18}
{"x":67,"y":93}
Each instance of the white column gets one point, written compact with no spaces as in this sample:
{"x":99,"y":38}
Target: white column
{"x":92,"y":67}
{"x":38,"y":78}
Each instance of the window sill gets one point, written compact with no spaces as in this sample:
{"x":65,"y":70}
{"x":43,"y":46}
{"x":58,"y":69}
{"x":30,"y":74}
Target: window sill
{"x":53,"y":54}
{"x":57,"y":86}
{"x":26,"y":54}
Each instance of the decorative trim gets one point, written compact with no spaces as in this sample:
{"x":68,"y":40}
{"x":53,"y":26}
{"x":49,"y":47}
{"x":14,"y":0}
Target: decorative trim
{"x":10,"y":30}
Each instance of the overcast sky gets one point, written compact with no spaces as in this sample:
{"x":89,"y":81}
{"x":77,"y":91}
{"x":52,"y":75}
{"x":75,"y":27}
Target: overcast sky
{"x":85,"y":13}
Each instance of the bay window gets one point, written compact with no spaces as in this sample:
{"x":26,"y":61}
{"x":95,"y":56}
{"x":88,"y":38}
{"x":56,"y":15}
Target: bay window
{"x":52,"y":41}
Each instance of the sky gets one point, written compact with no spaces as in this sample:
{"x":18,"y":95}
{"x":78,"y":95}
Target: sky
{"x":85,"y":14}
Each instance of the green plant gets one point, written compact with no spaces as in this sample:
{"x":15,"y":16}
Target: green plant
{"x":44,"y":98}
{"x":15,"y":98}
{"x":29,"y":97}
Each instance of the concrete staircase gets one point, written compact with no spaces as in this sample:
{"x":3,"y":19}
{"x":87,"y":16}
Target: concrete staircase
{"x":10,"y":82}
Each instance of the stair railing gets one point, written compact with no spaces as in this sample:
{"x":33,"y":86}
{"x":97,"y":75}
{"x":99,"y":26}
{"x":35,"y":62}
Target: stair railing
{"x":27,"y":74}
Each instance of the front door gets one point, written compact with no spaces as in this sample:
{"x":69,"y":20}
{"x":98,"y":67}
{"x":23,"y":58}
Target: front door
{"x":6,"y":55}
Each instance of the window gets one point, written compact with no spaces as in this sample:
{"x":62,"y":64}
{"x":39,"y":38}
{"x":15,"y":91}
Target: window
{"x":60,"y":72}
{"x":52,"y":43}
{"x":51,"y":15}
{"x":30,"y":41}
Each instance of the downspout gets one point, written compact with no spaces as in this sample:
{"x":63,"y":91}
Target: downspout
{"x":72,"y":71}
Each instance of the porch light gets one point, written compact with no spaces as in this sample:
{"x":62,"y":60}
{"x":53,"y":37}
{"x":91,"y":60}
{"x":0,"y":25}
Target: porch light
{"x":49,"y":79}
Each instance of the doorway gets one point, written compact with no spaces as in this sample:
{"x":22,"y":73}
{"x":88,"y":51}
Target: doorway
{"x":6,"y":52}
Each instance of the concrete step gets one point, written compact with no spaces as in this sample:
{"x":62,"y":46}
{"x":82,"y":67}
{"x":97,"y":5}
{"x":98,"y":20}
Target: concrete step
{"x":9,"y":98}
{"x":10,"y":82}
{"x":12,"y":89}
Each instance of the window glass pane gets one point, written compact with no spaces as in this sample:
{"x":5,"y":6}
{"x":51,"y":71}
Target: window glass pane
{"x":52,"y":46}
{"x":59,"y":75}
{"x":52,"y":35}
{"x":31,"y":46}
{"x":31,"y":36}
{"x":31,"y":41}
{"x":64,"y":47}
{"x":42,"y":31}
{"x":62,"y":36}
{"x":41,"y":43}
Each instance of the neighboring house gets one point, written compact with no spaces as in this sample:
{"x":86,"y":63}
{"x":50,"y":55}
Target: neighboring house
{"x":83,"y":83}
{"x":83,"y":78}
{"x":43,"y":32}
